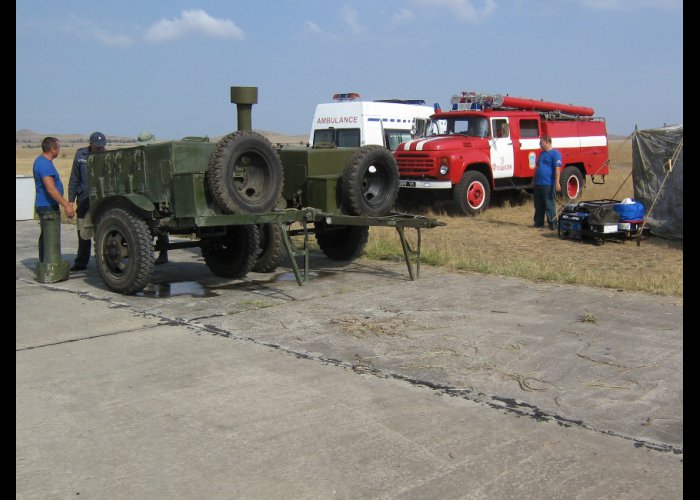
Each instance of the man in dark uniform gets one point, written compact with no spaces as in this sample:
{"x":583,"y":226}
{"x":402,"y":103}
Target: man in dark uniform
{"x":78,"y":191}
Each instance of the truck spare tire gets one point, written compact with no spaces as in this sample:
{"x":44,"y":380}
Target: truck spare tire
{"x":370,"y":182}
{"x":245,"y":173}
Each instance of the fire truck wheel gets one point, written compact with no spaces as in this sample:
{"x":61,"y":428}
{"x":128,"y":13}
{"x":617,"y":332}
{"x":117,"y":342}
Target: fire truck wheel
{"x":270,"y":249}
{"x":341,"y":242}
{"x":245,"y":173}
{"x":232,"y":256}
{"x":472,"y":193}
{"x":123,"y":251}
{"x":571,"y":183}
{"x":370,"y":182}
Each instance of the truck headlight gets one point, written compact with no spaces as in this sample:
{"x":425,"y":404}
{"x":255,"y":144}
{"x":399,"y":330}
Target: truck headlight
{"x":444,"y":168}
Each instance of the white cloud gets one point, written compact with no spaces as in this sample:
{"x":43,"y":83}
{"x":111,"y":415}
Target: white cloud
{"x":462,"y":8}
{"x":349,"y":16}
{"x":84,"y":27}
{"x":111,"y":39}
{"x":192,"y":21}
{"x":313,"y":27}
{"x":402,"y":16}
{"x":631,"y":4}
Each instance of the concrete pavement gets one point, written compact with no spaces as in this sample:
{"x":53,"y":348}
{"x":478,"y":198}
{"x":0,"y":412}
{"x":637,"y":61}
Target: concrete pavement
{"x":361,"y":384}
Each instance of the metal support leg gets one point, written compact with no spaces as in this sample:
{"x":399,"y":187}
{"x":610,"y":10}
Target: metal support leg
{"x":293,"y":252}
{"x":408,"y":252}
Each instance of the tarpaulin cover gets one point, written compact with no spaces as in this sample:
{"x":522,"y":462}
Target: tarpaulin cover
{"x":651,"y":151}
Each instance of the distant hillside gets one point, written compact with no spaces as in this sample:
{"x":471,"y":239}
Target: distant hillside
{"x":29,"y":137}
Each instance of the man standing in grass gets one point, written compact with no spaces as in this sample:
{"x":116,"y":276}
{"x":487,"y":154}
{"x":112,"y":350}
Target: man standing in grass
{"x":49,"y":189}
{"x":546,"y":183}
{"x":78,"y":191}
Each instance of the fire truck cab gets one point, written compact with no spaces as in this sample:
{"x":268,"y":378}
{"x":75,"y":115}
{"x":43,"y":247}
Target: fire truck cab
{"x":488,"y":143}
{"x":350,"y":122}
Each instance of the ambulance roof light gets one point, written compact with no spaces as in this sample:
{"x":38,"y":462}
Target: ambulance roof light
{"x":348,"y":96}
{"x":419,"y":102}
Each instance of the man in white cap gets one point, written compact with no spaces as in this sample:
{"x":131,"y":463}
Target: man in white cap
{"x":78,"y":191}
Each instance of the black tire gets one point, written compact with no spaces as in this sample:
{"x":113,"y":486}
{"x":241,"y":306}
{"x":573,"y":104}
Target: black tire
{"x":518,"y":197}
{"x":571,"y":182}
{"x":341,"y":242}
{"x":232,"y":256}
{"x":472,"y":194}
{"x":270,"y":249}
{"x":370,"y":182}
{"x":245,"y":173}
{"x":123,"y":251}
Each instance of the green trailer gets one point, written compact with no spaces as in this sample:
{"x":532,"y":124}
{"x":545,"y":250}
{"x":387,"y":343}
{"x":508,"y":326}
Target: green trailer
{"x":238,"y":200}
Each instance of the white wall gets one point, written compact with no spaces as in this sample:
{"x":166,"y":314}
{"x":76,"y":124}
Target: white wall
{"x":25,"y":197}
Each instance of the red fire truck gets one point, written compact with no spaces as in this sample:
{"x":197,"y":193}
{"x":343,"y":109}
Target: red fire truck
{"x":490,"y":142}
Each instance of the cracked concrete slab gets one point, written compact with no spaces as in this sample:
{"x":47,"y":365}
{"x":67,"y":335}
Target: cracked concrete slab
{"x":360,"y":383}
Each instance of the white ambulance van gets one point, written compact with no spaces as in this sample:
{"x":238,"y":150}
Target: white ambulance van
{"x":350,"y":122}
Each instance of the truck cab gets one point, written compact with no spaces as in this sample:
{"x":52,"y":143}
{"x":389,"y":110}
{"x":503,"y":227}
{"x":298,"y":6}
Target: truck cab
{"x":351,"y":122}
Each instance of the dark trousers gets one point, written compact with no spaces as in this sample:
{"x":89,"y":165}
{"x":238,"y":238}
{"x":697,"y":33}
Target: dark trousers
{"x":43,"y":212}
{"x":544,"y":203}
{"x":84,"y":246}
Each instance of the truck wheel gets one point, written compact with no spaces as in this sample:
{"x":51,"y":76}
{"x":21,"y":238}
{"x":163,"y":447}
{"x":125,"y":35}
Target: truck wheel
{"x":123,"y":251}
{"x":571,"y":183}
{"x":472,"y":194}
{"x":245,"y":173}
{"x":341,"y":242}
{"x":270,"y":249}
{"x":370,"y":181}
{"x":232,"y":256}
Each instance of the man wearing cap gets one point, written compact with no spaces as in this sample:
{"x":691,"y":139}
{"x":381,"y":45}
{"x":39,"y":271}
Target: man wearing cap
{"x":78,"y":191}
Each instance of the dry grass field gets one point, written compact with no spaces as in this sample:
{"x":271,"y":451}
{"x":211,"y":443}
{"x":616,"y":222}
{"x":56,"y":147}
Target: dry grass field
{"x":499,"y":241}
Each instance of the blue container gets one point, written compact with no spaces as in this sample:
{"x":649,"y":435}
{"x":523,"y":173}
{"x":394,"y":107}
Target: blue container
{"x":632,"y":211}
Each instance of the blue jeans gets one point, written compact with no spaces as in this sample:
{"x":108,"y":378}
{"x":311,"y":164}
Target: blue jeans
{"x":45,"y":213}
{"x":544,"y":203}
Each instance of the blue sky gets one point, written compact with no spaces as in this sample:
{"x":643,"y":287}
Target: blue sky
{"x":167,"y":66}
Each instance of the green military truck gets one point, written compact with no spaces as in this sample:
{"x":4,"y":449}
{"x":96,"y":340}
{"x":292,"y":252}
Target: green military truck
{"x":237,"y":200}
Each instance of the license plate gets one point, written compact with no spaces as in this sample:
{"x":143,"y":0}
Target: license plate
{"x":610,"y":228}
{"x":625,"y":226}
{"x":407,"y":184}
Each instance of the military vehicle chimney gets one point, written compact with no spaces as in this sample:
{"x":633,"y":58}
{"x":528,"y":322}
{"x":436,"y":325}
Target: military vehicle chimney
{"x":244,"y":98}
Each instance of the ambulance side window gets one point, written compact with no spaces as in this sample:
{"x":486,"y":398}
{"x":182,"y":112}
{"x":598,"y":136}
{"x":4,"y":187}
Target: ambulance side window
{"x":341,"y":137}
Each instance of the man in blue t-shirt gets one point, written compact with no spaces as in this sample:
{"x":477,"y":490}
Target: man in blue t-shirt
{"x":49,"y":188}
{"x":546,"y":183}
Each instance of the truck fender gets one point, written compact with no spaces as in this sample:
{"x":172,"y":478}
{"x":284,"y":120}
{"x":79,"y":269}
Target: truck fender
{"x":473,"y":161}
{"x":133,"y":202}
